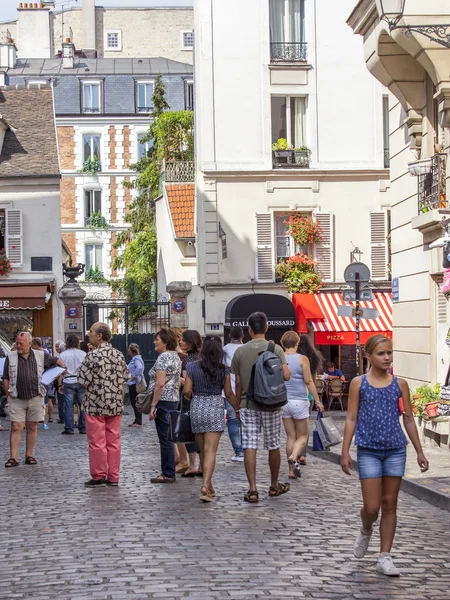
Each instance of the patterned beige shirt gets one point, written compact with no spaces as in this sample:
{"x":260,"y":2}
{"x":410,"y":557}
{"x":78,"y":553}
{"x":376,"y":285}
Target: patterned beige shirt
{"x":103,"y":374}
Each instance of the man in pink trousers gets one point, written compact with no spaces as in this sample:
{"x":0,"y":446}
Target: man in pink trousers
{"x":103,"y":374}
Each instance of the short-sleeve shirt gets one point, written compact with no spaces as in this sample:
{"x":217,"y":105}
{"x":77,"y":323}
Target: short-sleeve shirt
{"x":202,"y":384}
{"x":335,"y":373}
{"x":242,"y":364}
{"x":170,"y":363}
{"x":188,"y":358}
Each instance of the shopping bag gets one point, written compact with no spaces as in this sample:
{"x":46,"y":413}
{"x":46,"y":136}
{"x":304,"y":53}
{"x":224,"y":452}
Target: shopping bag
{"x":328,"y":433}
{"x":317,"y":444}
{"x":180,"y":431}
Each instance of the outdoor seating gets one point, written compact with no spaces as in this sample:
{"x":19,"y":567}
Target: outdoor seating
{"x":335,"y":393}
{"x":320,"y":387}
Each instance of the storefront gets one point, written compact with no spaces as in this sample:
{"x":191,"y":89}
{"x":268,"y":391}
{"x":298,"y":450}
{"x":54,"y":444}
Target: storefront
{"x":26,"y":306}
{"x":279,"y":310}
{"x":335,"y":336}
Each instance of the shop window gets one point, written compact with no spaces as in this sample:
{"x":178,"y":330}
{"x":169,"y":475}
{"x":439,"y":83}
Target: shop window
{"x":91,"y":147}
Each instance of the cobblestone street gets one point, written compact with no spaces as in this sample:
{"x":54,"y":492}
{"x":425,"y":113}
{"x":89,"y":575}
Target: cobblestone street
{"x":60,"y":540}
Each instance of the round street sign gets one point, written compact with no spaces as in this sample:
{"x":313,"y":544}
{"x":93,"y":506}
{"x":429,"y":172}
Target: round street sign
{"x":357,"y":267}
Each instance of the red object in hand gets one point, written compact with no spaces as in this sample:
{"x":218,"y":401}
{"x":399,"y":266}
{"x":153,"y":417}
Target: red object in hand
{"x":401,"y":406}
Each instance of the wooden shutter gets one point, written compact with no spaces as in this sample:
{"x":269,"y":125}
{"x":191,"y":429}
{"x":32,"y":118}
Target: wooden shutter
{"x":324,"y":250}
{"x":14,"y":236}
{"x":378,"y":245}
{"x":264,"y":247}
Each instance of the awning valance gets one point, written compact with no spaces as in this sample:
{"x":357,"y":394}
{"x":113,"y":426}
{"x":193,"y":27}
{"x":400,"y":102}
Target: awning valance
{"x":324,"y":317}
{"x":23,"y":296}
{"x":279,"y":310}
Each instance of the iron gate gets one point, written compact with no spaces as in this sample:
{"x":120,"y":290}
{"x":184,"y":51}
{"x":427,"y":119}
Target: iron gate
{"x":130,"y":322}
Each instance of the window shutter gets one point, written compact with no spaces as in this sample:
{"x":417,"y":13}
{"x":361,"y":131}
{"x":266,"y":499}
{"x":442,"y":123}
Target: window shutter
{"x":441,"y":301}
{"x":378,"y":245}
{"x":14,"y":237}
{"x":324,"y":250}
{"x":264,"y":247}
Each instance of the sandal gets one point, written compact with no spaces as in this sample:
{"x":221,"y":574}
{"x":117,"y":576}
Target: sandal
{"x":296,"y":466}
{"x":303,"y":461}
{"x":182,"y":468}
{"x":206,"y":495}
{"x":252,"y":497}
{"x":199,"y":474}
{"x":162,"y":479}
{"x":189,"y":474}
{"x":212,"y":491}
{"x":30,"y":460}
{"x":282,"y":488}
{"x":12,"y":462}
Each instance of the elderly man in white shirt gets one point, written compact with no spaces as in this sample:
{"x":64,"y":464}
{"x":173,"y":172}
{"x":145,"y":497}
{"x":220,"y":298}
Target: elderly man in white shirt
{"x":73,"y":391}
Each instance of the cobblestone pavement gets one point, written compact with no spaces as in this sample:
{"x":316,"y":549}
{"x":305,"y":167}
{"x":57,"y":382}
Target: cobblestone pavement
{"x":62,"y":541}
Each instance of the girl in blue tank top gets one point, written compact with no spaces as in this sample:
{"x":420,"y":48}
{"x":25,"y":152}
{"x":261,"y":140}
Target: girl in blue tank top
{"x":376,"y":402}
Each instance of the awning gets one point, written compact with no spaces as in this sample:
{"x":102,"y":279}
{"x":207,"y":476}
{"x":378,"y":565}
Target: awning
{"x":329,"y":322}
{"x":26,"y":296}
{"x":279,"y":310}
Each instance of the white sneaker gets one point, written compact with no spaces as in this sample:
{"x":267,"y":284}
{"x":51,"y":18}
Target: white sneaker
{"x":237,"y":458}
{"x":361,"y":543}
{"x":386,"y":565}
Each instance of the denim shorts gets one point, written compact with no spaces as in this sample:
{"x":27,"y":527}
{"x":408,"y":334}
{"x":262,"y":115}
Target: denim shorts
{"x":381,"y":463}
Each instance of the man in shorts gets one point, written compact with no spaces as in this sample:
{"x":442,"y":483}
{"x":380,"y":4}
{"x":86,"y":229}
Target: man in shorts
{"x":254,"y":420}
{"x":22,"y":376}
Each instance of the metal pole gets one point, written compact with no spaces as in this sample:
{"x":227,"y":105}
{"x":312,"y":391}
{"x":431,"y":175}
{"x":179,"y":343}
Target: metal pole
{"x":358,"y":340}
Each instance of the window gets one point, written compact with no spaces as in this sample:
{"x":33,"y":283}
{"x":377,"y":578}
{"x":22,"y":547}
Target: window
{"x":94,"y":257}
{"x":92,"y":203}
{"x":287,"y":21}
{"x":285,"y":244}
{"x":187,"y":40}
{"x":288,"y":120}
{"x":113,"y":40}
{"x":91,"y":96}
{"x":2,"y":229}
{"x":91,"y":147}
{"x":189,"y":95}
{"x":386,"y":131}
{"x":144,"y":147}
{"x":144,"y":96}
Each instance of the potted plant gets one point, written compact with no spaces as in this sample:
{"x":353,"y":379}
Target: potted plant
{"x":94,"y":275}
{"x":304,"y":230}
{"x":423,"y":397}
{"x":299,"y":274}
{"x":301,"y":156}
{"x":97,"y":221}
{"x":91,"y":165}
{"x":282,"y":152}
{"x":5,"y":265}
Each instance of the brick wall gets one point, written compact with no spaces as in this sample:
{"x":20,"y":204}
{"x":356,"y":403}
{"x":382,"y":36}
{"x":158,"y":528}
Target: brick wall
{"x":126,"y":147}
{"x":71,"y":240}
{"x":66,"y":147}
{"x":112,"y":147}
{"x":113,"y":199}
{"x":113,"y":253}
{"x":67,"y":193}
{"x":127,"y":197}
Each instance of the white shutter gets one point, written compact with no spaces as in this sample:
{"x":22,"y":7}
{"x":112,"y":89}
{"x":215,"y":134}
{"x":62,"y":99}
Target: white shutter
{"x":379,"y":245}
{"x":324,"y":250}
{"x":14,"y":236}
{"x":264,"y":247}
{"x":441,"y":301}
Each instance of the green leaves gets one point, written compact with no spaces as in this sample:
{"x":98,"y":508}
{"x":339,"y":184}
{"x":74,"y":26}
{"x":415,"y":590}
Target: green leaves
{"x":91,"y":165}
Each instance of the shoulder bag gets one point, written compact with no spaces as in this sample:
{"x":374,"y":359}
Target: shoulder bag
{"x":144,"y":400}
{"x":180,"y":431}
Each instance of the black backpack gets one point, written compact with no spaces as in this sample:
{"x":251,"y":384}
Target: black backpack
{"x":266,"y":387}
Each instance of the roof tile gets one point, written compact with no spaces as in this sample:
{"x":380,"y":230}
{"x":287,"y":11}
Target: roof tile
{"x":181,"y":198}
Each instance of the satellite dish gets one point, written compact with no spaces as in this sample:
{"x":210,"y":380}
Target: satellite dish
{"x":354,"y":268}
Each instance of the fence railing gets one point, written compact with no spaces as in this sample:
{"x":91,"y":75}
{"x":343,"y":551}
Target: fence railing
{"x":179,"y":171}
{"x":432,"y":186}
{"x":288,"y":51}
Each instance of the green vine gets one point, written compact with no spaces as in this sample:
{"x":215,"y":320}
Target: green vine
{"x":98,"y":221}
{"x":94,"y":275}
{"x":91,"y":165}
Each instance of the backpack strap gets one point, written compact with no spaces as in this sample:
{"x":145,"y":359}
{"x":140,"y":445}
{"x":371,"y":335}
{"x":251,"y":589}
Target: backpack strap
{"x":271,"y":347}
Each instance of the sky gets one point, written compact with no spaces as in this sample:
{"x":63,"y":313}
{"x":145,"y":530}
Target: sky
{"x":8,"y":8}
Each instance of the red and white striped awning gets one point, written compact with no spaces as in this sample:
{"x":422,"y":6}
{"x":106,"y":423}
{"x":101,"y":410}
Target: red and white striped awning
{"x":329,"y":303}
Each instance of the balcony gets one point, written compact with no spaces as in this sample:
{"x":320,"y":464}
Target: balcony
{"x":432,"y":186}
{"x":291,"y":159}
{"x":179,"y":171}
{"x":288,"y":52}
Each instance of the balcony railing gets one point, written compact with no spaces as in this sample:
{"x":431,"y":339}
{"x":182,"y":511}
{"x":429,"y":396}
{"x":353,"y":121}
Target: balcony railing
{"x":178,"y":171}
{"x":288,"y":51}
{"x":291,"y":159}
{"x":432,"y":186}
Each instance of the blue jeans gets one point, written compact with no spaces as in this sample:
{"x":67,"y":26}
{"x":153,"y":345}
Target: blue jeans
{"x":61,"y":402}
{"x":234,"y":430}
{"x":166,"y":446}
{"x":73,"y":392}
{"x":373,"y":464}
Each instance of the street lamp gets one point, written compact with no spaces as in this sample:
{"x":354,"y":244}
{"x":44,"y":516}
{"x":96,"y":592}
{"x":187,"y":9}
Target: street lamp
{"x":392,"y":11}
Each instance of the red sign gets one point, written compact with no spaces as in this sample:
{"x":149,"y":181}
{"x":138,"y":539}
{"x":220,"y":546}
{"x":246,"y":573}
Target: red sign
{"x":347,"y":338}
{"x":73,"y":312}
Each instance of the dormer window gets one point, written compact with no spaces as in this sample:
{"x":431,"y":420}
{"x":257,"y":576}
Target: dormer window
{"x":91,"y":96}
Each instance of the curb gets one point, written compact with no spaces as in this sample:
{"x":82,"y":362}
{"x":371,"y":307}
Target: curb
{"x":410,"y":487}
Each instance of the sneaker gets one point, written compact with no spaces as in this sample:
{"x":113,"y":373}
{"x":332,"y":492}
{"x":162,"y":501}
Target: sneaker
{"x":385,"y":565}
{"x":362,"y":543}
{"x":112,"y":483}
{"x":65,"y":432}
{"x":95,"y":482}
{"x":237,"y":458}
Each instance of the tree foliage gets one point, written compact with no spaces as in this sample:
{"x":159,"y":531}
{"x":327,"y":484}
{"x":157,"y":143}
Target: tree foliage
{"x":171,"y":133}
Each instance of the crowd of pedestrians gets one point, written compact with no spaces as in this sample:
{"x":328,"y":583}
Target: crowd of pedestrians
{"x":219,"y":386}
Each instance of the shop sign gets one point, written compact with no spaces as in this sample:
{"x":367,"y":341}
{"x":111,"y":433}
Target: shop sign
{"x":178,"y":305}
{"x":4,"y":303}
{"x":396,"y":290}
{"x":73,"y":312}
{"x":281,"y":323}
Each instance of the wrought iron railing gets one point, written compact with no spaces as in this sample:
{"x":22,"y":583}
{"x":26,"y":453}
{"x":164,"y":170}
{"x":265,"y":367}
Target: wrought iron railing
{"x":179,"y":171}
{"x":432,"y":186}
{"x":291,"y":159}
{"x":288,"y":51}
{"x":387,"y":158}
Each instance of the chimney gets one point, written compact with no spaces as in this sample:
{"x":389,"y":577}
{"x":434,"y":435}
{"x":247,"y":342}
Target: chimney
{"x":34,"y":30}
{"x":8,"y":53}
{"x":68,"y":54}
{"x":89,"y":45}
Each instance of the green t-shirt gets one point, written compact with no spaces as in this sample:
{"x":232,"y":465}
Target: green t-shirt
{"x":242,"y":364}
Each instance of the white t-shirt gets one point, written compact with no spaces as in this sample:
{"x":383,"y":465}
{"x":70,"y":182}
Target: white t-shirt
{"x":72,"y":358}
{"x":229,"y":351}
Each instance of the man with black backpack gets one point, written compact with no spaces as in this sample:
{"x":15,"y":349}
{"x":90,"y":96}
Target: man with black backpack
{"x":261,"y":369}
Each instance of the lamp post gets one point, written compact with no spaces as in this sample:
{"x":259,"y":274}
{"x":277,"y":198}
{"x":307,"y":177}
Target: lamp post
{"x":392,"y":11}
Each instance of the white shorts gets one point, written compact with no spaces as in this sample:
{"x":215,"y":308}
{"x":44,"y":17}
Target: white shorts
{"x":297,"y":409}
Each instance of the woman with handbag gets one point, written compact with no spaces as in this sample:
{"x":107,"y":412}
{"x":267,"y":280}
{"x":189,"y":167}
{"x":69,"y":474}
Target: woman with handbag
{"x":164,"y":380}
{"x":136,"y":384}
{"x":376,"y":402}
{"x":296,"y":411}
{"x":205,"y":380}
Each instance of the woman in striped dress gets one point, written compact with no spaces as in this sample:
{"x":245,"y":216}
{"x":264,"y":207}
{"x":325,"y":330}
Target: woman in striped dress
{"x":205,"y":381}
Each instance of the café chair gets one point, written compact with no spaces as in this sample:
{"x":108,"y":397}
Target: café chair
{"x":320,"y":387}
{"x":335,"y":392}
